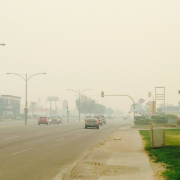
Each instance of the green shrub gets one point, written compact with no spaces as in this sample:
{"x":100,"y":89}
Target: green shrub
{"x":158,"y":117}
{"x":148,"y":121}
{"x":171,"y":116}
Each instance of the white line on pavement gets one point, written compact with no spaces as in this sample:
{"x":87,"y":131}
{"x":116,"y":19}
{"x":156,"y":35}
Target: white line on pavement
{"x":11,"y":137}
{"x":22,"y":151}
{"x":78,"y":134}
{"x":40,"y":132}
{"x":59,"y":139}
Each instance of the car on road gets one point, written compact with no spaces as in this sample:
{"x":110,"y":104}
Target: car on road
{"x":99,"y":119}
{"x":55,"y":120}
{"x":91,"y":122}
{"x":103,"y":119}
{"x":43,"y":120}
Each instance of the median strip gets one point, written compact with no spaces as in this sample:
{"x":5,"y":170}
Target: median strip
{"x":22,"y":151}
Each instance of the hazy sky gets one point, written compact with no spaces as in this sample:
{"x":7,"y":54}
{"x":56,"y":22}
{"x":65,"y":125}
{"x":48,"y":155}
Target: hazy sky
{"x":121,"y":47}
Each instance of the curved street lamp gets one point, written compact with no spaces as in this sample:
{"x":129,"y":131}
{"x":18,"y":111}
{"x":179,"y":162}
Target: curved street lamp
{"x":79,"y":93}
{"x":26,"y":79}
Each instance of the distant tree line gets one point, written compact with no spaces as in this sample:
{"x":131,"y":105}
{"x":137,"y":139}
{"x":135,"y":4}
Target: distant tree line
{"x":89,"y":106}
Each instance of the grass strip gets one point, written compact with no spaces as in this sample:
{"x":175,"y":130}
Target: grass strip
{"x":169,"y":155}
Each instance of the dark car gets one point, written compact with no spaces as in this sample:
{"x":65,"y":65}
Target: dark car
{"x":103,"y":119}
{"x":43,"y":120}
{"x":55,"y":120}
{"x":99,"y":119}
{"x":91,"y":122}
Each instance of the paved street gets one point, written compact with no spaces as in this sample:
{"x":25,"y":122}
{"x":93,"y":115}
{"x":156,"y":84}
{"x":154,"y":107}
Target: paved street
{"x":40,"y":152}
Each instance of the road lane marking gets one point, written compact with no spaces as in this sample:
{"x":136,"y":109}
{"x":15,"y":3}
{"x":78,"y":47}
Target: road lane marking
{"x":22,"y":151}
{"x":11,"y":126}
{"x":59,"y":139}
{"x":11,"y":137}
{"x":40,"y":132}
{"x":78,"y":134}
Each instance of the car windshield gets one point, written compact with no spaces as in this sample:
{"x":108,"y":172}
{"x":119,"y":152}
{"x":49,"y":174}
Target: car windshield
{"x":98,"y":117}
{"x":92,"y":120}
{"x":42,"y":117}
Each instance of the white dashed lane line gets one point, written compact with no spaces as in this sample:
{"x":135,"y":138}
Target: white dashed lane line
{"x":59,"y":139}
{"x":22,"y":151}
{"x":78,"y":134}
{"x":11,"y":137}
{"x":40,"y":132}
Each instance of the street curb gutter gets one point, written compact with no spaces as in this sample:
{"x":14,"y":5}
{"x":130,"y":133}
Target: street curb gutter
{"x":67,"y":175}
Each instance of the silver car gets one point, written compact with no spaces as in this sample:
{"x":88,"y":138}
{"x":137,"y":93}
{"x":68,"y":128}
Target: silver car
{"x":91,"y":122}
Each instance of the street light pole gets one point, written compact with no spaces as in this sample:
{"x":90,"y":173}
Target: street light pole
{"x":26,"y":104}
{"x":79,"y":93}
{"x":79,"y":105}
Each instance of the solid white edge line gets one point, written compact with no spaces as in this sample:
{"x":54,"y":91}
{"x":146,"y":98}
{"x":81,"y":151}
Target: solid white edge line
{"x":22,"y":151}
{"x":59,"y":139}
{"x":11,"y":137}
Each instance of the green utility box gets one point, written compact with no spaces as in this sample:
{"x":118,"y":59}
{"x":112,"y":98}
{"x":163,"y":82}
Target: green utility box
{"x":158,"y":137}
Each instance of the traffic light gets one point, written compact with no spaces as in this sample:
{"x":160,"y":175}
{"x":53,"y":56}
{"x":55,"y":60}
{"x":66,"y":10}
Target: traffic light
{"x":102,"y":93}
{"x":134,"y":109}
{"x":149,"y":94}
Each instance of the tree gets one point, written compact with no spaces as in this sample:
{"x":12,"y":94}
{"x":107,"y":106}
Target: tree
{"x":118,"y":112}
{"x":109,"y":111}
{"x":87,"y":105}
{"x":99,"y":109}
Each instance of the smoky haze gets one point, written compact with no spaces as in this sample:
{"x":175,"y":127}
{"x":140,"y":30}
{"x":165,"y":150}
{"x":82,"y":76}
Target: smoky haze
{"x":119,"y":47}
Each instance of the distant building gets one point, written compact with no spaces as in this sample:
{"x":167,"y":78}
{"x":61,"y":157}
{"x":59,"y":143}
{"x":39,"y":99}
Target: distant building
{"x":9,"y":106}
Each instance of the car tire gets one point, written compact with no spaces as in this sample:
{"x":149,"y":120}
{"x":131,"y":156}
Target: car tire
{"x":98,"y":127}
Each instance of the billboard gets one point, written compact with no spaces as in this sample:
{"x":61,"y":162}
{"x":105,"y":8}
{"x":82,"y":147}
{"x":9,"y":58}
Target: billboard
{"x":53,"y":99}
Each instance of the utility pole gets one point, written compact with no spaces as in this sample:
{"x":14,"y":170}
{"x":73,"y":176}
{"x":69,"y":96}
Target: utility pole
{"x":79,"y":93}
{"x":67,"y":114}
{"x":79,"y":105}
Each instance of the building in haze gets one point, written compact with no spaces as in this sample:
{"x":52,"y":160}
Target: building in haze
{"x":9,"y":106}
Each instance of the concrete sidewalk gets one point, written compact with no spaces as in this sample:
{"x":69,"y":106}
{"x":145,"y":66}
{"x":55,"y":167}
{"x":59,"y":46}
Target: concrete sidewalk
{"x":123,"y":158}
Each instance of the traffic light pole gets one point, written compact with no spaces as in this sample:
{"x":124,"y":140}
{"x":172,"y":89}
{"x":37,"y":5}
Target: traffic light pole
{"x":153,"y":105}
{"x":123,"y":95}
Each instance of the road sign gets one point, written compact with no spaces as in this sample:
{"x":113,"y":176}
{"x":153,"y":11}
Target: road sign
{"x":141,"y":100}
{"x":53,"y":99}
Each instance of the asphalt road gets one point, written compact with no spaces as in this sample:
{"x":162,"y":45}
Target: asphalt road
{"x":35,"y":152}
